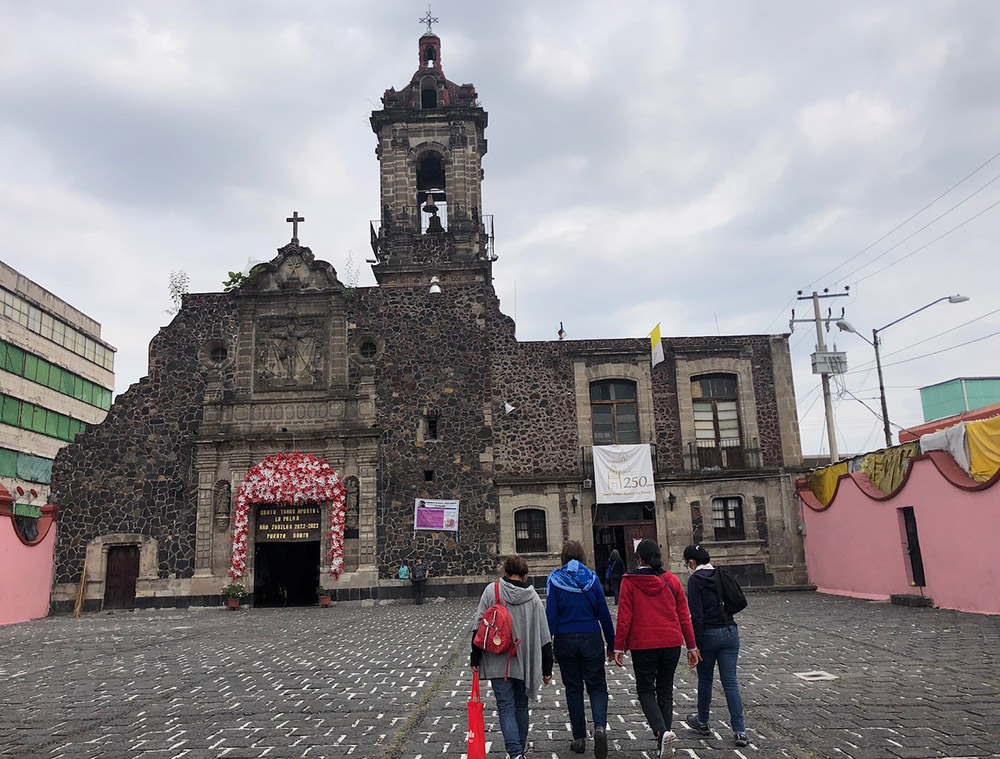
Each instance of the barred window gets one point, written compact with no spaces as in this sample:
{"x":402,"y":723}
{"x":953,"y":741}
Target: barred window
{"x":529,"y":531}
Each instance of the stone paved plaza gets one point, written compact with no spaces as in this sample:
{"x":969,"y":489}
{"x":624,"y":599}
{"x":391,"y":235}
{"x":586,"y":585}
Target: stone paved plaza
{"x":391,"y":682}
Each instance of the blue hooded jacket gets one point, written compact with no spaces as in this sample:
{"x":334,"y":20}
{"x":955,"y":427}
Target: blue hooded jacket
{"x":575,"y":603}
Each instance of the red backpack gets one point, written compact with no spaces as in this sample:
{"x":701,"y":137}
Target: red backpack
{"x":495,"y":633}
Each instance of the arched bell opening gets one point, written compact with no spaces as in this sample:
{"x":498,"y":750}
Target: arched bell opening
{"x":432,"y":198}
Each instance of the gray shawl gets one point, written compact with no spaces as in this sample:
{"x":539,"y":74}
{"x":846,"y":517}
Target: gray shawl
{"x":528,"y":615}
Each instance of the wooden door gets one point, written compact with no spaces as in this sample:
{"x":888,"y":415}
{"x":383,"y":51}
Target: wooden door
{"x":633,"y":533}
{"x":913,"y":547}
{"x":119,"y":582}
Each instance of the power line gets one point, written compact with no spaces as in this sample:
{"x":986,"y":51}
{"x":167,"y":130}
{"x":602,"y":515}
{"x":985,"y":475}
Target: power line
{"x":903,"y":223}
{"x":943,"y":350}
{"x":917,"y":250}
{"x":868,"y":365}
{"x":921,"y":229}
{"x":940,"y":334}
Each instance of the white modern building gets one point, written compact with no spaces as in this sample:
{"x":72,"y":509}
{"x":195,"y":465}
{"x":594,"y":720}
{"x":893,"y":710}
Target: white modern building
{"x":56,"y":378}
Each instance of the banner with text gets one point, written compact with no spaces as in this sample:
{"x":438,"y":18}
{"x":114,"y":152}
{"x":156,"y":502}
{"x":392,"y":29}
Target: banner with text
{"x":430,"y":514}
{"x":623,"y":473}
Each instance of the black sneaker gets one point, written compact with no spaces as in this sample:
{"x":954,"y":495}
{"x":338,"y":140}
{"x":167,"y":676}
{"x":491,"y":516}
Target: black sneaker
{"x":697,"y":725}
{"x":600,"y":744}
{"x":579,"y":745}
{"x":741,"y":739}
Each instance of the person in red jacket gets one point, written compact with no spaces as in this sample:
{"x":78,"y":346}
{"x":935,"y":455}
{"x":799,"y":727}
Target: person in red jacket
{"x":653,"y":622}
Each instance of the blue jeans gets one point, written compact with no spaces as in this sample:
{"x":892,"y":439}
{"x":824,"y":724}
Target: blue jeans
{"x":654,"y":682}
{"x":722,"y":645}
{"x":512,"y":712}
{"x":581,"y":660}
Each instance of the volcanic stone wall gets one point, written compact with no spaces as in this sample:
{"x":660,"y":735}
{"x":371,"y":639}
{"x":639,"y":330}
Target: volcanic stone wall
{"x":134,"y":473}
{"x":433,"y":360}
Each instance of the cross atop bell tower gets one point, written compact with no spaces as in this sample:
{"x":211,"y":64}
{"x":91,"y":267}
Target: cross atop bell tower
{"x":430,"y":148}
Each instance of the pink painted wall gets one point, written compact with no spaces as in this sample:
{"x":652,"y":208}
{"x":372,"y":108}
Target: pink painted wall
{"x":857,"y":546}
{"x":25,"y":575}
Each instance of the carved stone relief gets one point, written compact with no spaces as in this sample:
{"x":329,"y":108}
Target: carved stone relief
{"x":290,"y":352}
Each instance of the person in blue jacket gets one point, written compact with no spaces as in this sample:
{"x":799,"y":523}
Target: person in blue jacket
{"x":583,"y":638}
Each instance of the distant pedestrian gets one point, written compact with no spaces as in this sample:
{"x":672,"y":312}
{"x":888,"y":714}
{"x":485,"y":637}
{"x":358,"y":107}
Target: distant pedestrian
{"x":515,"y":679}
{"x":653,"y":622}
{"x":418,"y":578}
{"x":718,"y":641}
{"x":615,"y":572}
{"x":578,"y":615}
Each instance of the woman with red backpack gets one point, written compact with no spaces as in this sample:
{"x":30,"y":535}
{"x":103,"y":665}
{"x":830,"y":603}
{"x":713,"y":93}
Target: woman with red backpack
{"x":515,"y":674}
{"x":653,"y":622}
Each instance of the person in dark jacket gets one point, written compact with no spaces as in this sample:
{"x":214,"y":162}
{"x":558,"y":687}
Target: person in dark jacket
{"x":653,"y":622}
{"x":578,"y":613}
{"x":615,"y":572}
{"x":418,"y":577}
{"x":719,"y":642}
{"x":515,"y":679}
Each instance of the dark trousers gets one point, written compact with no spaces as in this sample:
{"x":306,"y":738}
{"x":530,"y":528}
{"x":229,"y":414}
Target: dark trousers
{"x":581,"y":661}
{"x":654,"y":682}
{"x":418,"y":591}
{"x":616,"y":586}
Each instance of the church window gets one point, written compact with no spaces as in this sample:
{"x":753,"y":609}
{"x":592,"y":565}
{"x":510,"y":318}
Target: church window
{"x":717,"y":422}
{"x":432,"y":427}
{"x":727,"y":518}
{"x":218,"y":354}
{"x":614,"y":412}
{"x":368,"y":349}
{"x":529,"y":531}
{"x":428,"y":475}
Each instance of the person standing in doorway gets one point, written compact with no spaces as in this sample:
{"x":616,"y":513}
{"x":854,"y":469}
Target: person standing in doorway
{"x":653,"y":622}
{"x":615,"y":572}
{"x":578,"y":614}
{"x":515,"y":679}
{"x":418,"y":577}
{"x":719,"y":643}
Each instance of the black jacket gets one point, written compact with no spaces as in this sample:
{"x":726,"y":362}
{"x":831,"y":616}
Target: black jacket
{"x":706,"y":611}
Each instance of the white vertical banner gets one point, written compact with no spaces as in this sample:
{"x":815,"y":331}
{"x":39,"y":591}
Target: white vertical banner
{"x":623,"y":473}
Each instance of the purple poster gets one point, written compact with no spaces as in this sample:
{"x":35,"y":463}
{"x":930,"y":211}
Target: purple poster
{"x":429,"y":514}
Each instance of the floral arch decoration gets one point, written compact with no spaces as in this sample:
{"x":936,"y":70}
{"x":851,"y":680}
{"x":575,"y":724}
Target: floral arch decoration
{"x":291,"y":479}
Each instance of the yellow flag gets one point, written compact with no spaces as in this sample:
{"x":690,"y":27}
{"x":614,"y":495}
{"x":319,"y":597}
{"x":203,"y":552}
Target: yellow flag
{"x":656,"y":347}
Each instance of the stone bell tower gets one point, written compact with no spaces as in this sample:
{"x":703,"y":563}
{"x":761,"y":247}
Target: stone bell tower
{"x":430,"y":150}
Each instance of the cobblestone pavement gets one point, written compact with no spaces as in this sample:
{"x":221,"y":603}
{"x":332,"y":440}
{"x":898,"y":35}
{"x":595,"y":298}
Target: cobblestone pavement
{"x":391,"y":682}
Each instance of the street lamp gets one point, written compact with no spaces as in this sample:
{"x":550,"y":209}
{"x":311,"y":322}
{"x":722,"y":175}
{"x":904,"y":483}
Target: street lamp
{"x":875,"y":343}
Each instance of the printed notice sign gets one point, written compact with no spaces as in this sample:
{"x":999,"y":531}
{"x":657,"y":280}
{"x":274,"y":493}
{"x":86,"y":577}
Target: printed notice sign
{"x":290,"y":523}
{"x":429,"y":514}
{"x":623,"y":473}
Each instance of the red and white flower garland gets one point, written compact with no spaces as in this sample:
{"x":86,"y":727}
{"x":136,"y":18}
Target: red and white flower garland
{"x":293,"y":479}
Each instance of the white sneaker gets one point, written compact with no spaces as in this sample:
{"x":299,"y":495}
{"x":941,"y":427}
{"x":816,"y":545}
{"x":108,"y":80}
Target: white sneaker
{"x":667,"y":744}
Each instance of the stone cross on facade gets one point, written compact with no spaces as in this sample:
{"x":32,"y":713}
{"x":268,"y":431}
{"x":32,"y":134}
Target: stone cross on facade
{"x":295,"y":219}
{"x":428,"y":19}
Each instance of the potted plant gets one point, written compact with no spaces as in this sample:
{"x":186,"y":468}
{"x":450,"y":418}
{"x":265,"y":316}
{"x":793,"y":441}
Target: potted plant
{"x":324,"y":595}
{"x":233,"y":592}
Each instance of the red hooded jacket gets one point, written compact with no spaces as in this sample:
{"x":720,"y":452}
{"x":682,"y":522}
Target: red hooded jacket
{"x":651,"y":615}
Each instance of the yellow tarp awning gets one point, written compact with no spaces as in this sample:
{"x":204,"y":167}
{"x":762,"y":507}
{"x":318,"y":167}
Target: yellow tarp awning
{"x":823,"y":482}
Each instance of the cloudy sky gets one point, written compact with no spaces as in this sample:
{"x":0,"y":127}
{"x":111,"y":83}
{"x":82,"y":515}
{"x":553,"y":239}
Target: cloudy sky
{"x":691,"y":163}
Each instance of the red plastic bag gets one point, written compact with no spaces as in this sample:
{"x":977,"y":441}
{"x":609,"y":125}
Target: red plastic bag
{"x":477,"y":729}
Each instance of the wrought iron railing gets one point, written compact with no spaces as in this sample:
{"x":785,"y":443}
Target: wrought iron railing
{"x":480,"y":226}
{"x":721,"y":455}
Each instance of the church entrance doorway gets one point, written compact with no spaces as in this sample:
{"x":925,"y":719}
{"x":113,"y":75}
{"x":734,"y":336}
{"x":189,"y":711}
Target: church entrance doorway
{"x":286,"y":574}
{"x":621,"y":526}
{"x":286,"y":555}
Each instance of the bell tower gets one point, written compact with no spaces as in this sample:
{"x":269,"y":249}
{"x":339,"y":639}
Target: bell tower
{"x":430,"y":149}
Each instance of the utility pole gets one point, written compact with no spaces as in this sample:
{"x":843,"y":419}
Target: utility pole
{"x":824,"y":363}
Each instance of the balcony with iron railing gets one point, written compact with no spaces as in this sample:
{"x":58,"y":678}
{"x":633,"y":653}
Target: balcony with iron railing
{"x":725,"y":454}
{"x":416,"y":220}
{"x":728,"y":454}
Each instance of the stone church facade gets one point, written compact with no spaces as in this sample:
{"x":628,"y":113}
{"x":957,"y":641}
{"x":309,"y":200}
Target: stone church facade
{"x":417,"y":388}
